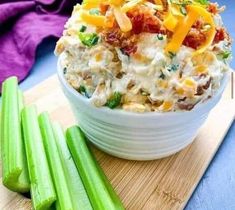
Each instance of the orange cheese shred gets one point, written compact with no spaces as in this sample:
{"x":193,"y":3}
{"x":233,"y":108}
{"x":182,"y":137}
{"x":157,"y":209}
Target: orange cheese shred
{"x":184,"y":25}
{"x":170,"y":22}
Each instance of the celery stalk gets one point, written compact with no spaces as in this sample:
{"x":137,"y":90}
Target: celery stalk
{"x":15,"y":172}
{"x":101,"y":194}
{"x":42,"y":189}
{"x":58,"y":175}
{"x":77,"y":191}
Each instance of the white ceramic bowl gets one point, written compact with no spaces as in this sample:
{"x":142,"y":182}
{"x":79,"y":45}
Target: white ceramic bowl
{"x":138,"y":136}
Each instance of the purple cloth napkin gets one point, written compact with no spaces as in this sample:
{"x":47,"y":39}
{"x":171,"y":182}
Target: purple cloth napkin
{"x":23,"y":26}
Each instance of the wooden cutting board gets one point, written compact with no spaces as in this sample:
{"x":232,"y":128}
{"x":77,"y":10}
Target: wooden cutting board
{"x":164,"y":184}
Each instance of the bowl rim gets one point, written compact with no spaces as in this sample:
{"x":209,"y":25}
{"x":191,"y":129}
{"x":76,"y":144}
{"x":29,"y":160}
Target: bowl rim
{"x":121,"y":112}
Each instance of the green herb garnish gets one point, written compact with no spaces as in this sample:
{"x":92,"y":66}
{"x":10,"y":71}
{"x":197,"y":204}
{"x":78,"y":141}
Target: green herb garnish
{"x":89,"y":40}
{"x":114,"y":100}
{"x":64,"y":70}
{"x":226,"y":54}
{"x":171,"y":54}
{"x":160,"y":37}
{"x":183,"y":10}
{"x":173,"y":67}
{"x":83,"y":28}
{"x":83,"y":91}
{"x":181,"y":2}
{"x":94,"y":12}
{"x":203,"y":2}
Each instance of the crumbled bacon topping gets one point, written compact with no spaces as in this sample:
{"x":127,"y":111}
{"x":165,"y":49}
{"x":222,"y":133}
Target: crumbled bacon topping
{"x":213,"y":8}
{"x":128,"y":50}
{"x":194,"y":39}
{"x":125,"y":41}
{"x":144,"y":21}
{"x":221,"y":34}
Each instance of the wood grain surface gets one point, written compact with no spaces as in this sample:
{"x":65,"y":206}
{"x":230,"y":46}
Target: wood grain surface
{"x":164,"y":184}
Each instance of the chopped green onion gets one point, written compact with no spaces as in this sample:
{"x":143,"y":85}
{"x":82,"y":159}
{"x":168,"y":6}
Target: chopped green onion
{"x":94,"y":12}
{"x":88,"y":39}
{"x":181,"y":2}
{"x":173,"y":67}
{"x":64,"y":70}
{"x":83,"y":91}
{"x":42,"y":189}
{"x":225,"y":55}
{"x":15,"y":171}
{"x":171,"y":54}
{"x":160,"y":37}
{"x":203,"y":2}
{"x":58,"y":176}
{"x":183,"y":10}
{"x":78,"y":193}
{"x":83,"y":28}
{"x":100,"y":192}
{"x":114,"y":100}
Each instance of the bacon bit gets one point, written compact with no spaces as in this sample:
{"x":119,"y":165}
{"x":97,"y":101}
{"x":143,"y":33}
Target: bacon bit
{"x":221,"y":34}
{"x":184,"y":106}
{"x":128,"y":50}
{"x":113,"y":37}
{"x":126,"y":42}
{"x":152,"y":25}
{"x":151,"y":1}
{"x":194,"y":39}
{"x":198,"y":24}
{"x":144,"y":21}
{"x":182,"y":99}
{"x":207,"y":85}
{"x":213,"y":8}
{"x":103,"y":8}
{"x":200,"y":91}
{"x":137,"y":22}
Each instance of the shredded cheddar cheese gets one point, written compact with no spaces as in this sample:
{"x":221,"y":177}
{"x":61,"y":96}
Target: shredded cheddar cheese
{"x":97,"y":20}
{"x":122,"y":19}
{"x":158,"y":2}
{"x":116,"y":2}
{"x":181,"y":30}
{"x":211,"y":33}
{"x":130,"y":5}
{"x":170,"y":21}
{"x":184,"y":25}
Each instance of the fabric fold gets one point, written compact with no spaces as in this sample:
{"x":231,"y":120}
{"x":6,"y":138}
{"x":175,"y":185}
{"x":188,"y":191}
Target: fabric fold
{"x":23,"y":26}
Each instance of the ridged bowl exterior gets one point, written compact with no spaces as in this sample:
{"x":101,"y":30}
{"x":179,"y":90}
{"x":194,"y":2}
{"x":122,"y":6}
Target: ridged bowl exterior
{"x":136,"y":136}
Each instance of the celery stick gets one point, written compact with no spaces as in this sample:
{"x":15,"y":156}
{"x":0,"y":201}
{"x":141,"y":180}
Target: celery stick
{"x":100,"y":193}
{"x":15,"y":172}
{"x":42,"y":189}
{"x":58,"y":175}
{"x":77,"y":191}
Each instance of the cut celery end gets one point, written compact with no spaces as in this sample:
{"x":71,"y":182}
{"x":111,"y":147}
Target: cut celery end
{"x":15,"y":172}
{"x":58,"y":175}
{"x":78,"y":193}
{"x":98,"y":191}
{"x":42,"y":189}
